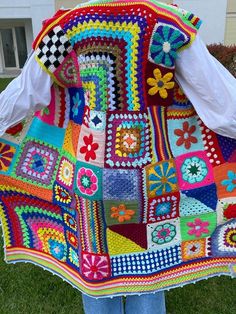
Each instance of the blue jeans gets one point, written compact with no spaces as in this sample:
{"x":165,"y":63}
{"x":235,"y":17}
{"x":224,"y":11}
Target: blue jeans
{"x":144,"y":304}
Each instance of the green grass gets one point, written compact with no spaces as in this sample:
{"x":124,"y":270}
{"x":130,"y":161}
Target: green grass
{"x":28,"y":289}
{"x":4,"y":82}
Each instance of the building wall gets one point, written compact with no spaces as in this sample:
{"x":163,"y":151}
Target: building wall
{"x":36,"y":10}
{"x":67,"y":3}
{"x":230,"y":33}
{"x":212,"y":15}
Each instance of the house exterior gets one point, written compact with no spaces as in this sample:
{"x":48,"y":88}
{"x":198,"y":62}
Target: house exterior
{"x":20,"y":21}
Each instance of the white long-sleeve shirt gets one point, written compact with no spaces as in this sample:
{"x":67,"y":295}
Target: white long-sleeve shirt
{"x":207,"y":84}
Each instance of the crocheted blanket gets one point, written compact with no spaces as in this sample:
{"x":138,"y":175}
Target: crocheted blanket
{"x":117,"y":186}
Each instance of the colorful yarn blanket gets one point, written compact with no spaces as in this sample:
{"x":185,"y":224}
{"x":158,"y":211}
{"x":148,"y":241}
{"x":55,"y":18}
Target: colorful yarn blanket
{"x":117,"y":186}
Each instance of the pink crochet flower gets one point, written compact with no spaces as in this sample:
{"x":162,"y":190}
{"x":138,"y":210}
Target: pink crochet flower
{"x":198,"y":227}
{"x":87,"y":181}
{"x":95,"y":267}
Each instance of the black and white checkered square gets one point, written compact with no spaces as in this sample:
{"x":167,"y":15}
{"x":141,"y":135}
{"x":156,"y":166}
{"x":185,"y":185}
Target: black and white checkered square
{"x":53,"y":49}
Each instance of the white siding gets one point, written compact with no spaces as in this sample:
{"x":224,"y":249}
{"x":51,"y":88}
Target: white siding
{"x":213,"y":15}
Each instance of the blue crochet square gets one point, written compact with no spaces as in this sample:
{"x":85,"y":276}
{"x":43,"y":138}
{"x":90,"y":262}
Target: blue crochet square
{"x":121,"y":184}
{"x":77,"y":104}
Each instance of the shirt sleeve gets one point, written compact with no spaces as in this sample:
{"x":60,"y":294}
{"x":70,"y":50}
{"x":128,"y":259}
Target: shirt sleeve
{"x":27,"y":93}
{"x":210,"y":88}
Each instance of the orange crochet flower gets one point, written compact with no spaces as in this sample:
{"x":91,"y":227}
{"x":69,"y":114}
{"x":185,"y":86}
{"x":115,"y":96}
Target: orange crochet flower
{"x":121,"y":213}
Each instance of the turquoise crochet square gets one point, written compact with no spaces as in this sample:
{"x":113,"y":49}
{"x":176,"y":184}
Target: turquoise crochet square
{"x":88,"y":181}
{"x":184,"y":135}
{"x":47,"y":133}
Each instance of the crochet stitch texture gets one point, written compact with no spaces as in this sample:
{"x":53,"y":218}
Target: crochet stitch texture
{"x":117,"y":186}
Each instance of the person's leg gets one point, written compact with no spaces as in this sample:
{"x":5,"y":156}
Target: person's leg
{"x":103,"y":305}
{"x":146,"y":303}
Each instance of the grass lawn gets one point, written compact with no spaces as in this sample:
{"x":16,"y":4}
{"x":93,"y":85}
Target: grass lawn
{"x":28,"y":289}
{"x":4,"y":82}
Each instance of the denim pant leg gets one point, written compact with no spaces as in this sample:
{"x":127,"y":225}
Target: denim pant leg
{"x":146,"y":303}
{"x":103,"y":305}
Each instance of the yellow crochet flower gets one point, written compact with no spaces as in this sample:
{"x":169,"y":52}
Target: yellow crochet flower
{"x":160,"y":84}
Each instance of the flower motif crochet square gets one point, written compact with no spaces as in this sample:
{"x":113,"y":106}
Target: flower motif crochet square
{"x":7,"y":153}
{"x":37,"y":163}
{"x":184,"y":135}
{"x":77,"y":104}
{"x":61,"y":195}
{"x":163,"y":234}
{"x":95,"y":267}
{"x":165,"y":42}
{"x":128,"y":140}
{"x":226,"y":209}
{"x":161,"y":178}
{"x":121,"y":184}
{"x":65,"y":173}
{"x":224,"y":239}
{"x":121,"y":212}
{"x":194,"y":249}
{"x":91,"y":146}
{"x":88,"y":181}
{"x":73,"y":257}
{"x":225,"y":178}
{"x":197,"y":227}
{"x":163,"y":207}
{"x":194,"y":170}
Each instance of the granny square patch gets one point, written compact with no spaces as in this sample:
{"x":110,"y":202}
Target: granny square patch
{"x":121,"y":184}
{"x":88,"y":180}
{"x":226,"y":209}
{"x":97,"y":120}
{"x":95,"y":267}
{"x":194,"y":170}
{"x":65,"y":174}
{"x":161,"y":178}
{"x":36,"y":163}
{"x":166,"y":40}
{"x":7,"y":153}
{"x":163,"y":234}
{"x":121,"y":212}
{"x":77,"y":104}
{"x":194,"y":249}
{"x":225,"y":176}
{"x":197,"y":227}
{"x":91,"y":146}
{"x":184,"y":135}
{"x":163,"y":207}
{"x":53,"y":49}
{"x":128,"y":140}
{"x":224,"y":239}
{"x":61,"y":195}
